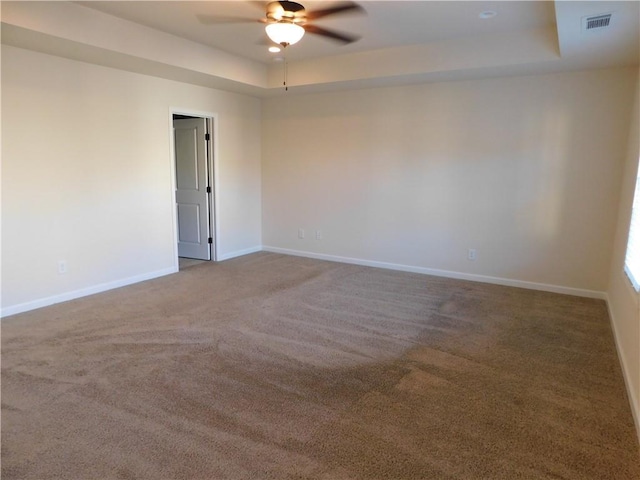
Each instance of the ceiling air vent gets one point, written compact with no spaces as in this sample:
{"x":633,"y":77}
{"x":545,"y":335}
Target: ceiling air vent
{"x":596,"y":22}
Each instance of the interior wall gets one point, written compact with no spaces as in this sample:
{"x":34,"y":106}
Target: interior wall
{"x":624,"y":301}
{"x":87,"y":175}
{"x":525,"y":170}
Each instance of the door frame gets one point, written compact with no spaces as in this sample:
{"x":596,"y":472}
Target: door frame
{"x":212,"y":168}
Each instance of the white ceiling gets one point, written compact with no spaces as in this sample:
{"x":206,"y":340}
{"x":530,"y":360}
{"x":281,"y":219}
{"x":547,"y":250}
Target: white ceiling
{"x":384,"y":24}
{"x":401,"y":41}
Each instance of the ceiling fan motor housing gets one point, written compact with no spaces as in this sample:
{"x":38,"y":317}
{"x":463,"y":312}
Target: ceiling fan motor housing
{"x":286,"y":12}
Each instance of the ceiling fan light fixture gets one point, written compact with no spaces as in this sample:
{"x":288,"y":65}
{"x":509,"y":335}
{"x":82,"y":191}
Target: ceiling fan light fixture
{"x":284,"y":33}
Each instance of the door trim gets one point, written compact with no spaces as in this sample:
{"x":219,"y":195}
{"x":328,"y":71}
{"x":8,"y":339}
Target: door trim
{"x":212,"y":165}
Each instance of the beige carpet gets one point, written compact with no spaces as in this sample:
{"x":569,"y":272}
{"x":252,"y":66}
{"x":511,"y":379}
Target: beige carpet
{"x":276,"y":367}
{"x":184,"y":262}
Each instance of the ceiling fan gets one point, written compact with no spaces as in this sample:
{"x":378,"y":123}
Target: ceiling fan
{"x":287,"y":22}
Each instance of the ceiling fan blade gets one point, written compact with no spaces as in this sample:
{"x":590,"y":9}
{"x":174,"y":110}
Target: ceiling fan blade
{"x":333,"y":35}
{"x":341,"y":8}
{"x":288,"y":6}
{"x":218,"y":20}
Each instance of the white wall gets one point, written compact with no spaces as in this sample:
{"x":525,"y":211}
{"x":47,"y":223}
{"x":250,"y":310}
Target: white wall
{"x":526,"y":170}
{"x":623,"y":300}
{"x":86,"y":175}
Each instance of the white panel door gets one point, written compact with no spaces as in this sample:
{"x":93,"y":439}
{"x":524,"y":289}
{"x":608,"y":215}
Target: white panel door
{"x":192,"y":197}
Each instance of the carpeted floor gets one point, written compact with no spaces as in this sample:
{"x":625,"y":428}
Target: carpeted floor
{"x":277,"y":367}
{"x":184,"y":262}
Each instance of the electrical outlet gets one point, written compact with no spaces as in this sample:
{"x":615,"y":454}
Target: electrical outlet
{"x":62,"y":267}
{"x":472,"y":254}
{"x":301,"y":233}
{"x":318,"y":234}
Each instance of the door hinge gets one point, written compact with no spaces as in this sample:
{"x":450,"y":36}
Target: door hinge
{"x":210,"y":240}
{"x":207,"y":137}
{"x":208,"y":189}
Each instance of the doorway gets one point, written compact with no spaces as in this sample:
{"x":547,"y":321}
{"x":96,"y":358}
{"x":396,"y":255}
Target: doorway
{"x":194,"y":193}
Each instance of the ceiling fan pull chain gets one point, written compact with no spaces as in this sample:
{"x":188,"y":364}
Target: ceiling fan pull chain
{"x":286,"y":70}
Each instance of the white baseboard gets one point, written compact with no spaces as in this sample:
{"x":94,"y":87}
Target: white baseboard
{"x":631,"y":394}
{"x":83,"y":292}
{"x":239,"y":253}
{"x":64,"y":297}
{"x":444,"y":273}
